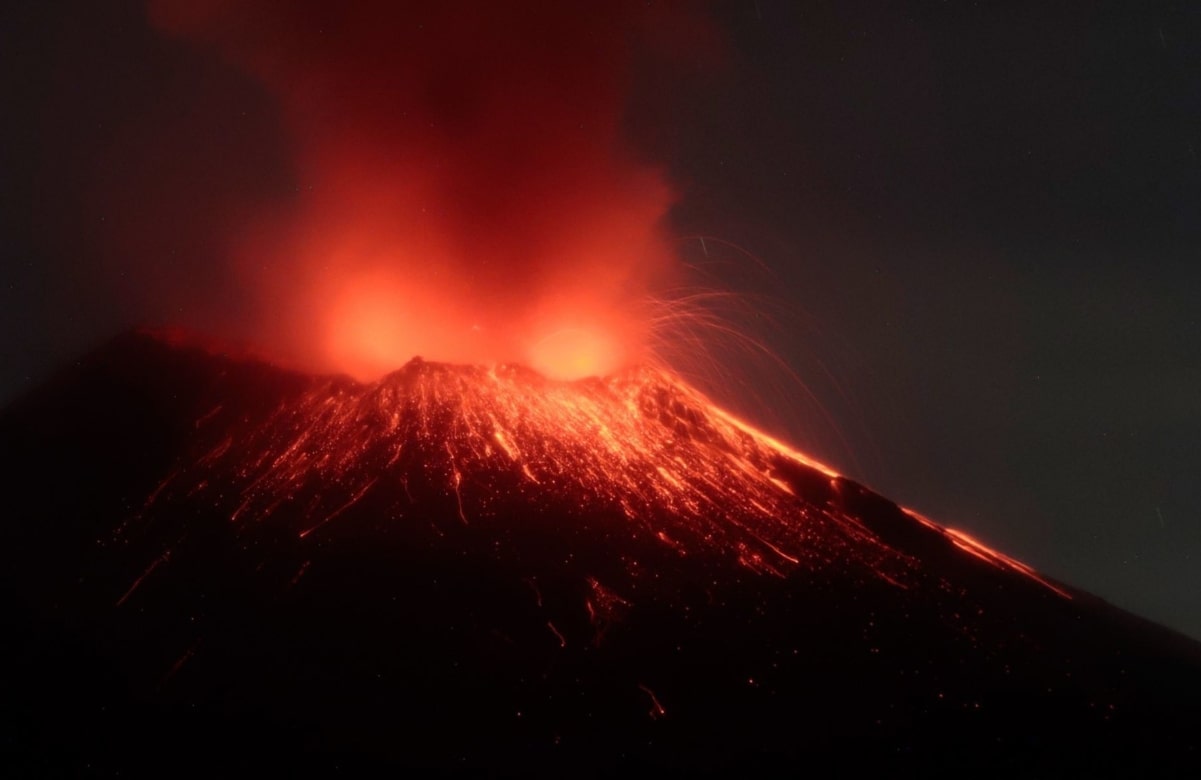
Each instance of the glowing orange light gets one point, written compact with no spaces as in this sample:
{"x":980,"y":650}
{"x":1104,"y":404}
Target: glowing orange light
{"x":368,"y":330}
{"x":377,"y":321}
{"x":640,"y":446}
{"x":574,"y":353}
{"x":499,"y":213}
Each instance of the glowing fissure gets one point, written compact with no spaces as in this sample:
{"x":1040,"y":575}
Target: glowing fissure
{"x":641,"y":446}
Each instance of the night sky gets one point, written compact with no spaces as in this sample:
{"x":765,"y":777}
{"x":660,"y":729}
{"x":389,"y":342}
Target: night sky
{"x":975,"y":228}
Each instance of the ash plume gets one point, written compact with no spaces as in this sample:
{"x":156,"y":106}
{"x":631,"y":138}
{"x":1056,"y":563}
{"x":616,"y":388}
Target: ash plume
{"x":463,"y":188}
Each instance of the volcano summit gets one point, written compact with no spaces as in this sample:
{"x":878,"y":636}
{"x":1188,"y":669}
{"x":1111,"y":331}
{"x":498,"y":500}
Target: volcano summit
{"x":213,"y":563}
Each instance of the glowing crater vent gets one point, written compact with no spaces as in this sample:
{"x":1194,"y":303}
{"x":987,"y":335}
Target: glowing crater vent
{"x":574,"y":353}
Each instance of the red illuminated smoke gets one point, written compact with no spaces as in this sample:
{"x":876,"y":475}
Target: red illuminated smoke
{"x":463,"y":191}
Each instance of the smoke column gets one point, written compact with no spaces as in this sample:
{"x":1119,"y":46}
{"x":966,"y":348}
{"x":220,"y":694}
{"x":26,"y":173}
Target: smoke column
{"x":463,"y":191}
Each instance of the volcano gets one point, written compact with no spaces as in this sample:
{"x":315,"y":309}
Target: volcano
{"x":211,"y":564}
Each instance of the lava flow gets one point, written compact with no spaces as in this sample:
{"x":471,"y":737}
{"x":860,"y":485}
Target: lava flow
{"x":467,"y":567}
{"x":641,"y":446}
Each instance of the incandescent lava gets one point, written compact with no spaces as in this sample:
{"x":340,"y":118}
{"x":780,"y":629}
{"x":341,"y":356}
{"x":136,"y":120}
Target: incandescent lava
{"x":458,"y":567}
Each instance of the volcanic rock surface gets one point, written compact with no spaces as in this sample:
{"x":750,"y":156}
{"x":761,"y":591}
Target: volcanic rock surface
{"x":210,"y":563}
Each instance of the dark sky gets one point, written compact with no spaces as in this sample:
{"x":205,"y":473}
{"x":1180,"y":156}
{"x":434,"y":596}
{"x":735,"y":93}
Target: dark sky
{"x":976,"y":227}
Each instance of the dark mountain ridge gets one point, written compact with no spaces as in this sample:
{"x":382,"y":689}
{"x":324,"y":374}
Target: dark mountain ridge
{"x":212,"y":563}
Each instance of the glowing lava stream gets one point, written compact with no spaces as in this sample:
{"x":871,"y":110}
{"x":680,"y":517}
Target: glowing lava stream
{"x":641,"y":447}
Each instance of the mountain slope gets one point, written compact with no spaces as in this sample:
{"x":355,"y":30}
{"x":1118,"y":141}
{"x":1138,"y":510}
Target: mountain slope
{"x":206,"y":557}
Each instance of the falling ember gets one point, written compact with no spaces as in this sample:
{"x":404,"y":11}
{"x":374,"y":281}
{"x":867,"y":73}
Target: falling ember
{"x":149,"y":569}
{"x":656,"y":710}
